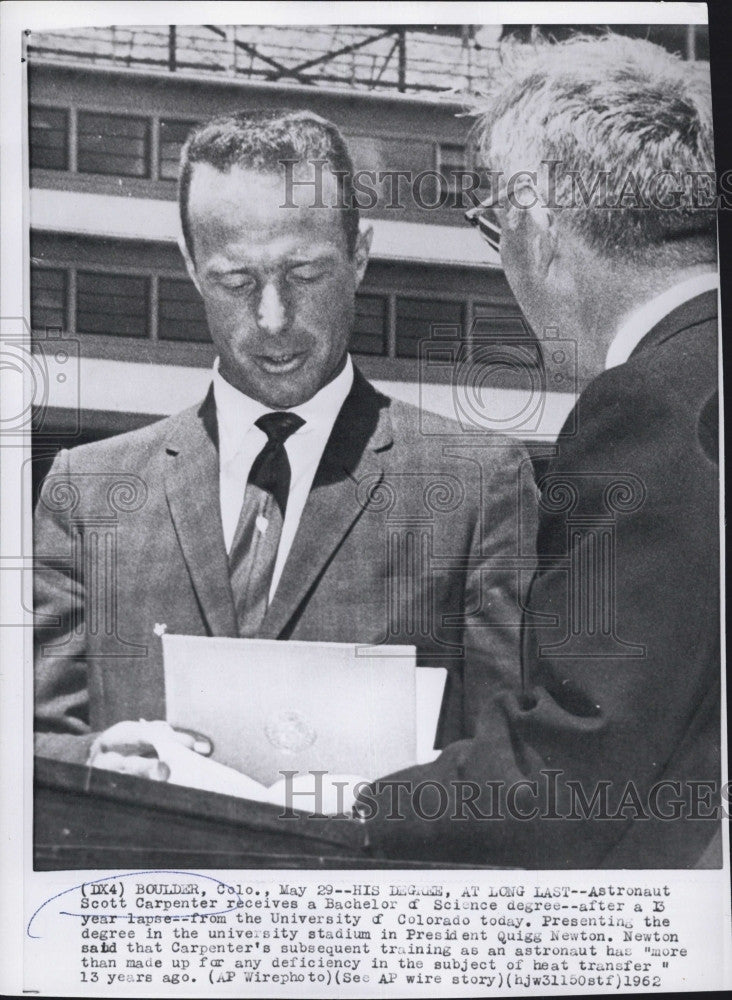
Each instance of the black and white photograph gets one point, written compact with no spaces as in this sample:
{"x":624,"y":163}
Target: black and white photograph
{"x":362,"y":507}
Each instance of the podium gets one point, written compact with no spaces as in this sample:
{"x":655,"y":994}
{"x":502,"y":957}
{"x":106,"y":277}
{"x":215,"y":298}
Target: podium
{"x":89,"y":818}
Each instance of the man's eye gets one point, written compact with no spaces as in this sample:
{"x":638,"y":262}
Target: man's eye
{"x":234,"y":282}
{"x":308,"y":272}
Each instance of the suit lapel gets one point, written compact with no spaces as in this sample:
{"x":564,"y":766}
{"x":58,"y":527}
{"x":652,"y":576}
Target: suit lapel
{"x":361,"y":433}
{"x":192,"y":489}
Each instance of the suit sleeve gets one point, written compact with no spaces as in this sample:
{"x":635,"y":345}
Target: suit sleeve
{"x":502,"y":563}
{"x":61,"y":694}
{"x":615,"y":716}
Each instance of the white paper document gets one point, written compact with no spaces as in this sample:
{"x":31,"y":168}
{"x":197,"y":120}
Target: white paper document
{"x":271,"y":707}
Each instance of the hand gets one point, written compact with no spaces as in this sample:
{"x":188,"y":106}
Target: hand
{"x":156,"y":751}
{"x":131,"y":748}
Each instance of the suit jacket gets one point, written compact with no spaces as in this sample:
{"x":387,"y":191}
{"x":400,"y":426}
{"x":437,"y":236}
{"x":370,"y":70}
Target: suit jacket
{"x":621,"y":649}
{"x":409,"y":535}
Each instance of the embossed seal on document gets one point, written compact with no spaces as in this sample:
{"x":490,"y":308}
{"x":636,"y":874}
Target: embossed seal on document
{"x":289,"y":730}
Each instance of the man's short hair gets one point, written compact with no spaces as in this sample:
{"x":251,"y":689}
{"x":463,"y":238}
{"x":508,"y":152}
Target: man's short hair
{"x":261,"y":140}
{"x":624,"y":123}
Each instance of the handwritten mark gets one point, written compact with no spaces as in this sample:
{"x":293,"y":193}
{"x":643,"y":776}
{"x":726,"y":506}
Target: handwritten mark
{"x":125,"y":915}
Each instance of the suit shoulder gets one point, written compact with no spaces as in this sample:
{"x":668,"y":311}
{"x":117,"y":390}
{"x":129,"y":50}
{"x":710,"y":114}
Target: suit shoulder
{"x":654,"y":414}
{"x":679,"y":370}
{"x":427,"y":432}
{"x":131,"y":447}
{"x":409,"y":419}
{"x":662,"y":386}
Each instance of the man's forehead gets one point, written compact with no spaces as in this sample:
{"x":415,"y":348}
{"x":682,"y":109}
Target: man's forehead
{"x":304,"y":184}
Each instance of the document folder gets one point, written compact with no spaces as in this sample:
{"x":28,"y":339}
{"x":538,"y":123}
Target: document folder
{"x":272,"y":706}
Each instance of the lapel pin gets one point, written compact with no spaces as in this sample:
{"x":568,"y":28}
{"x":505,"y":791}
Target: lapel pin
{"x":160,"y":628}
{"x":262,"y":523}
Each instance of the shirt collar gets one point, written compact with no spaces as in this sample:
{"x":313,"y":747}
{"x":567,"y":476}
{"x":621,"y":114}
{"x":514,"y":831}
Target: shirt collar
{"x":642,"y":320}
{"x":236,"y":412}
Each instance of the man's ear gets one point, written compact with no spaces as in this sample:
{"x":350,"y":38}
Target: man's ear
{"x":190,"y":265}
{"x":543,"y":239}
{"x":361,"y":252}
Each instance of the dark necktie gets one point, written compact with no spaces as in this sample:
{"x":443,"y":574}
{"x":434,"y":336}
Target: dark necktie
{"x":257,"y":537}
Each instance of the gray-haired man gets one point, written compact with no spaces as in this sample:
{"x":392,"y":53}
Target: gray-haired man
{"x":601,"y":155}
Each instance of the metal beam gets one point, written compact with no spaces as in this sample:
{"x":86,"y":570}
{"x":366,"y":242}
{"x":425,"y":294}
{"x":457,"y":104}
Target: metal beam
{"x":402,"y":86}
{"x":345,"y":50}
{"x":171,"y":48}
{"x":385,"y":63}
{"x":253,"y":51}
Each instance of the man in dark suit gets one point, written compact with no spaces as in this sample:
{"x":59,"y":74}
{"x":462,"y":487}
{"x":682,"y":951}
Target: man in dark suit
{"x":609,"y":756}
{"x":296,"y":502}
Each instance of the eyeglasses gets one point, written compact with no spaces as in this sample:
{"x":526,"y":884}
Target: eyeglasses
{"x":483,"y":217}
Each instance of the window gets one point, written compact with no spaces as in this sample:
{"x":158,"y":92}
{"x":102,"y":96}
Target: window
{"x":114,"y":304}
{"x":116,"y":145}
{"x":48,"y":298}
{"x":369,"y":330}
{"x":504,"y":346}
{"x":49,"y":137}
{"x":498,"y":321}
{"x":172,"y":136}
{"x":497,"y":324}
{"x":113,"y":144}
{"x":181,"y":315}
{"x":415,"y":319}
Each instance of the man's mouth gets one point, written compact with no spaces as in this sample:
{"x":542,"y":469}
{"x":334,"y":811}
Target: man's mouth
{"x":281,"y":362}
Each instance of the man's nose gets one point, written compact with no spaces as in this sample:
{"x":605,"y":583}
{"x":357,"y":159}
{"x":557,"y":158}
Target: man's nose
{"x":271,"y":314}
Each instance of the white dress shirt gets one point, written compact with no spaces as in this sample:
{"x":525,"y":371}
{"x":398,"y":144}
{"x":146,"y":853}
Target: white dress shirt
{"x":240,"y":442}
{"x":642,"y":320}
